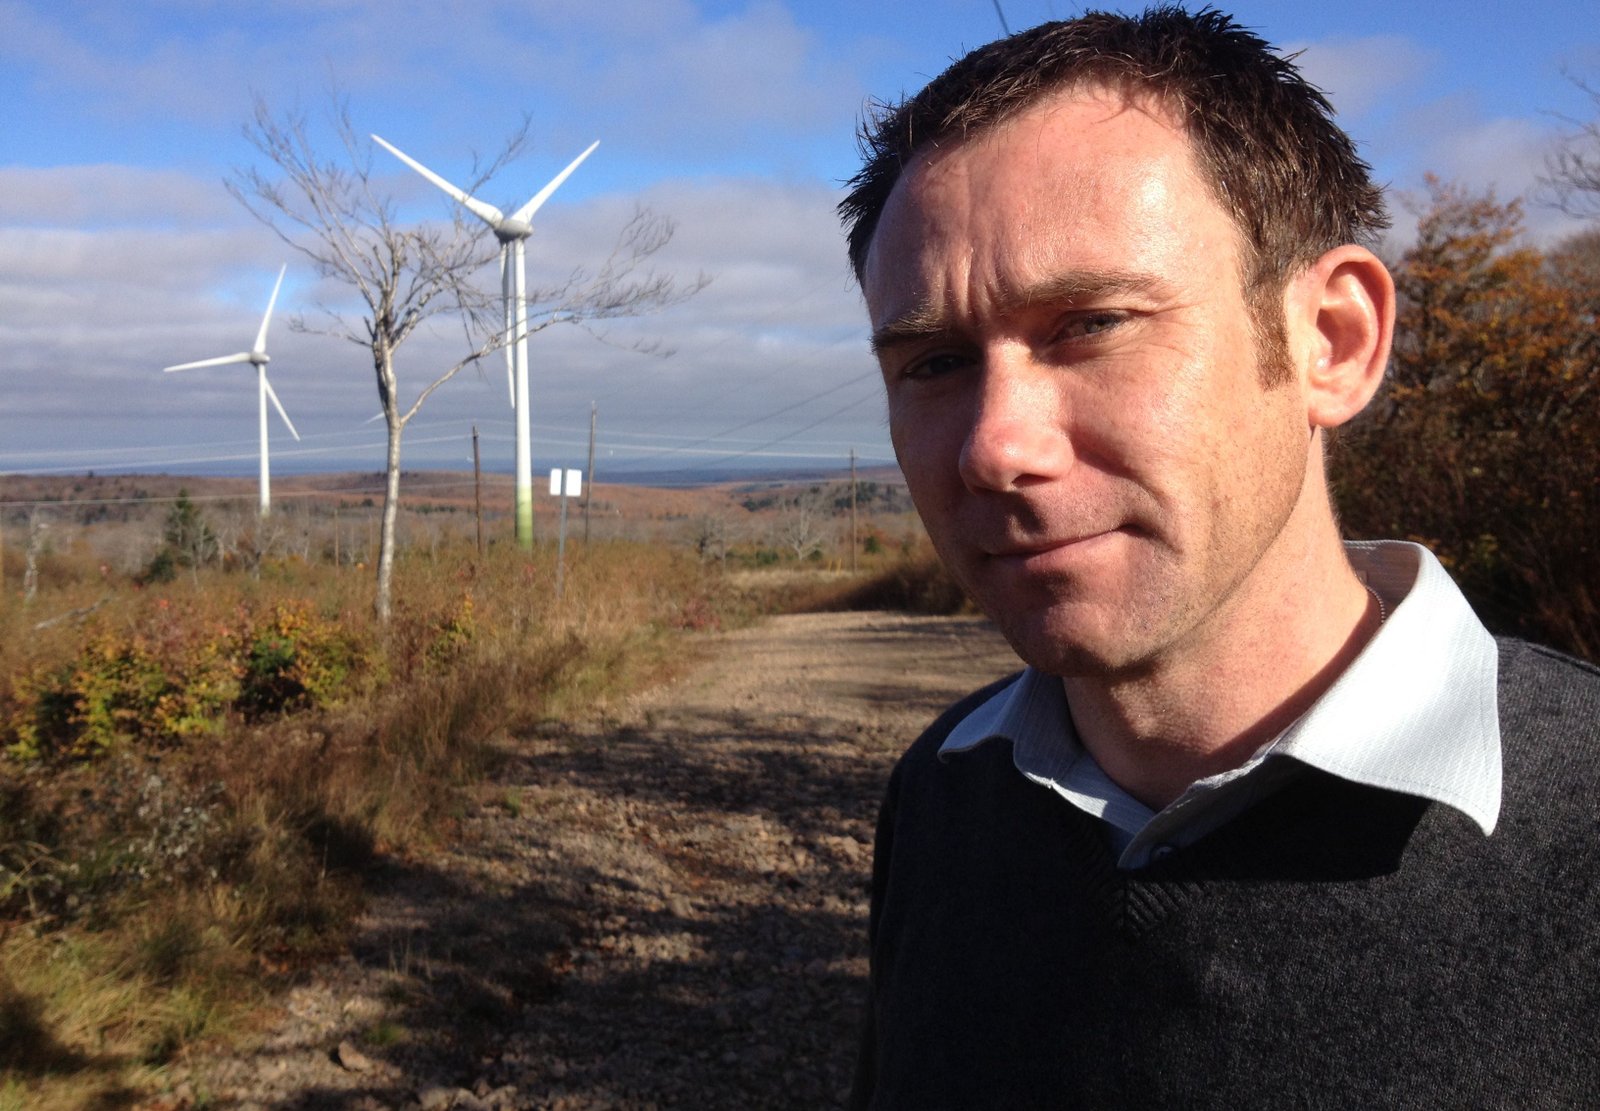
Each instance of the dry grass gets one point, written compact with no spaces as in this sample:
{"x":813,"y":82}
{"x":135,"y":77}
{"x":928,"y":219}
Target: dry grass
{"x":911,"y":582}
{"x":153,"y":883}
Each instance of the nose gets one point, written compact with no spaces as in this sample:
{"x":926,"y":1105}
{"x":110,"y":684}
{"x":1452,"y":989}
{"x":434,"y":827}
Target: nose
{"x":1017,"y":435}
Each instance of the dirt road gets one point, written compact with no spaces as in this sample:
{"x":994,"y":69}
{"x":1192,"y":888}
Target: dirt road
{"x":664,"y":910}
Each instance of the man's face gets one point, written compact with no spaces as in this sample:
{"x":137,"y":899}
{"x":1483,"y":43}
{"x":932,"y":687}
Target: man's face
{"x":1074,"y":391}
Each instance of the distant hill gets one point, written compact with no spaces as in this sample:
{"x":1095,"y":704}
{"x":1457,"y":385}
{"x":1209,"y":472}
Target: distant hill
{"x":671,"y":494}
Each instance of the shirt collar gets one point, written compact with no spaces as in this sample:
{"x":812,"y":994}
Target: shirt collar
{"x":1416,"y":711}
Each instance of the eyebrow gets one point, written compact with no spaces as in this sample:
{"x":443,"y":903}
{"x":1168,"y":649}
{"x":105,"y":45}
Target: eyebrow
{"x":927,"y":321}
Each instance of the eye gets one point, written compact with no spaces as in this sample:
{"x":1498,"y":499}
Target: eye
{"x":937,"y":364}
{"x":1081,"y":325}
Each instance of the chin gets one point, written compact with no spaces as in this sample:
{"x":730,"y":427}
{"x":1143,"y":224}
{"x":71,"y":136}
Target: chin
{"x":1064,"y":639}
{"x":1070,"y":659}
{"x":1109,"y":616}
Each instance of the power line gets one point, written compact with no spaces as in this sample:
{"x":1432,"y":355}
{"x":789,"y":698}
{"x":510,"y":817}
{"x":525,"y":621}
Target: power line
{"x":1004,"y":26}
{"x":170,"y":461}
{"x":785,"y":409}
{"x":78,"y":453}
{"x":797,"y":431}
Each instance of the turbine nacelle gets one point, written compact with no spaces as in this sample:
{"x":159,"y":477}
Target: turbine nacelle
{"x":254,"y":358}
{"x":507,"y":229}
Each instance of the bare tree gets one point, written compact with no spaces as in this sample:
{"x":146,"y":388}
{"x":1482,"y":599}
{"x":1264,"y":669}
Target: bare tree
{"x":712,"y":536}
{"x":332,"y":211}
{"x":1571,"y":180}
{"x":803,"y":526}
{"x":234,"y":527}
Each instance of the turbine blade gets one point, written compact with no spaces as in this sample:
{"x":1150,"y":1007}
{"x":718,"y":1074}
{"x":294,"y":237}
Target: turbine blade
{"x":261,"y":336}
{"x":525,"y":213}
{"x":273,"y":394}
{"x":221,"y":360}
{"x":505,"y":304}
{"x":488,"y":213}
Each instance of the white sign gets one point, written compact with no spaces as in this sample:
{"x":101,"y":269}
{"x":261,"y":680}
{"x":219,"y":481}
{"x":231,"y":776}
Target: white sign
{"x":574,"y":479}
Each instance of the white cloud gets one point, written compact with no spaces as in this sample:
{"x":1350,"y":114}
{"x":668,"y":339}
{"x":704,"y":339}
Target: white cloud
{"x":1360,"y":75}
{"x":105,"y":195}
{"x":726,"y":81}
{"x":94,"y":312}
{"x":1504,"y":155}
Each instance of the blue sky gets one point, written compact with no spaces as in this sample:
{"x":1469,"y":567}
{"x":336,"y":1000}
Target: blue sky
{"x":120,"y":252}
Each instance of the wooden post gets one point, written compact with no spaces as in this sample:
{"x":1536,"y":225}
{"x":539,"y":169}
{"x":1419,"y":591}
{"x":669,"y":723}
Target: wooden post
{"x":477,"y":490}
{"x":30,"y":576}
{"x":588,"y":491}
{"x":852,"y":510}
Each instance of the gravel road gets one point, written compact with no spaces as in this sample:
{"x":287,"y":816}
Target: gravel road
{"x":661,"y":909}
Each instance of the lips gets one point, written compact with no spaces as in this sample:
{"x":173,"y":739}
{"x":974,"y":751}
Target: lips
{"x":1033,"y":548}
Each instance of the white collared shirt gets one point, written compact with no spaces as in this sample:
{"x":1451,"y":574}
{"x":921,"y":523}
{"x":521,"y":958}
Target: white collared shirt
{"x":1415,"y":712}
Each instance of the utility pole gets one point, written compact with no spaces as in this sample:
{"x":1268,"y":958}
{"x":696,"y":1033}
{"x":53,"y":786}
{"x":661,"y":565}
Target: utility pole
{"x":852,"y":510}
{"x":477,"y":490}
{"x":589,"y":490}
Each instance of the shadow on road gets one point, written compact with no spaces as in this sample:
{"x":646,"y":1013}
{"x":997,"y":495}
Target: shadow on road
{"x":665,"y":914}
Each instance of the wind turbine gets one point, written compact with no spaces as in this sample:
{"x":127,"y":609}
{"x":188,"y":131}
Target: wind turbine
{"x":512,"y":232}
{"x":257,"y":356}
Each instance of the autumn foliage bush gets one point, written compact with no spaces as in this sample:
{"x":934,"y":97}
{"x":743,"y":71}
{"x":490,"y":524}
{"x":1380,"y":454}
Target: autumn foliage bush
{"x":1483,"y":443}
{"x":194,"y":772}
{"x":162,"y":673}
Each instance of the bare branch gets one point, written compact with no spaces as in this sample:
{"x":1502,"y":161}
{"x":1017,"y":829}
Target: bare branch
{"x":1571,"y":181}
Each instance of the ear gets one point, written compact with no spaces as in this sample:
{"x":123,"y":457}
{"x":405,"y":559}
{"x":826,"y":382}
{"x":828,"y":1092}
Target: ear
{"x":1340,"y":315}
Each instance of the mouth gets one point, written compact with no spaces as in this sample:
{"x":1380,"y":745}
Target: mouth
{"x":1030,"y":548}
{"x":1056,"y":553}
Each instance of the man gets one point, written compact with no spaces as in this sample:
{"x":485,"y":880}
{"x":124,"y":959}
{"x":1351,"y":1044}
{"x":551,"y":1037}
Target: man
{"x":1254,"y":827}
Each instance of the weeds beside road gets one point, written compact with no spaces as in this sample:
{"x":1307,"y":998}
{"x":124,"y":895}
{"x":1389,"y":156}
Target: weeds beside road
{"x":197,"y":773}
{"x":206,"y":780}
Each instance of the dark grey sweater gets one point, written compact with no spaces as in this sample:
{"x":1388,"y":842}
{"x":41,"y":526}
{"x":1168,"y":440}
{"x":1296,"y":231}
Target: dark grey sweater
{"x":1335,"y":946}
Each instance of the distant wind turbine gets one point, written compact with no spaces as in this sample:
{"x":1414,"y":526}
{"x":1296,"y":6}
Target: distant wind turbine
{"x":257,"y":356}
{"x":512,"y":232}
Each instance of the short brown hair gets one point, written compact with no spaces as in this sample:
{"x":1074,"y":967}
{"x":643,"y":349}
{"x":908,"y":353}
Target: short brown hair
{"x":1264,"y":138}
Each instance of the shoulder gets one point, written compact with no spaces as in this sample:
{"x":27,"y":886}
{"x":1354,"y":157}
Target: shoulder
{"x":925,"y":749}
{"x":1540,"y":686}
{"x":1550,"y":746}
{"x":920,"y":768}
{"x":1524,"y":654}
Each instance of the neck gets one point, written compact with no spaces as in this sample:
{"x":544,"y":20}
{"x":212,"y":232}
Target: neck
{"x":1268,"y":651}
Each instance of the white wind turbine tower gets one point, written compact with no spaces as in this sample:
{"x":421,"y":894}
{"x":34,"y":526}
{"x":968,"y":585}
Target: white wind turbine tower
{"x":257,"y":356}
{"x":512,"y":232}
